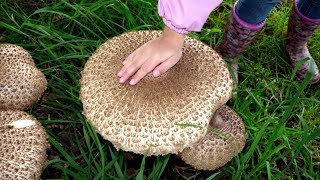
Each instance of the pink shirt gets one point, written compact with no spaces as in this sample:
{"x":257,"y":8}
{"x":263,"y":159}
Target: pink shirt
{"x":184,"y":16}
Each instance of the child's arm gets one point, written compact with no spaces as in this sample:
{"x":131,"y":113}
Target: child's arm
{"x":160,"y":54}
{"x":184,"y":16}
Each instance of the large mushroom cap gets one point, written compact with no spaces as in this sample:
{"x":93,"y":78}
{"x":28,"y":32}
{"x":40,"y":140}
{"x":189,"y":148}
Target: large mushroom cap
{"x":23,"y":146}
{"x":225,"y":138}
{"x":147,"y":118}
{"x":21,"y":83}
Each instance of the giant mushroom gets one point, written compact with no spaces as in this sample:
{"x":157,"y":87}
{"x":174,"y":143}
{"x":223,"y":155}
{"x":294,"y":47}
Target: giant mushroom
{"x":161,"y":115}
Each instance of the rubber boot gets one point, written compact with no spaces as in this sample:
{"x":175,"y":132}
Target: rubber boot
{"x":238,"y":35}
{"x":300,"y":29}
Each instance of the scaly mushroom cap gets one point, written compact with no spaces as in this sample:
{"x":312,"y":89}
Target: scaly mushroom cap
{"x":23,"y":146}
{"x":146,"y":118}
{"x":14,"y":53}
{"x":225,"y":138}
{"x":21,"y":83}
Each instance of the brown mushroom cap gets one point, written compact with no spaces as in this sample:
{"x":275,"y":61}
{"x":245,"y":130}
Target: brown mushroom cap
{"x":23,"y":146}
{"x":145,"y":118}
{"x":217,"y":147}
{"x":21,"y":83}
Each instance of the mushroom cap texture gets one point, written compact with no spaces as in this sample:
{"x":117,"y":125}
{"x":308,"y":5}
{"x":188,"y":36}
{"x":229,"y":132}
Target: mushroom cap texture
{"x":21,"y":83}
{"x":23,"y":146}
{"x":154,"y":116}
{"x":225,"y":138}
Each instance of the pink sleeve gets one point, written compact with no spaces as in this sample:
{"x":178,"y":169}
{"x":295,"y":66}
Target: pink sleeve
{"x":184,"y":16}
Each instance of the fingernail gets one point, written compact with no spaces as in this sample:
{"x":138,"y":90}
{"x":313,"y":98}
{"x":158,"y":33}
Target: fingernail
{"x":156,"y":73}
{"x":121,"y":80}
{"x":132,"y":82}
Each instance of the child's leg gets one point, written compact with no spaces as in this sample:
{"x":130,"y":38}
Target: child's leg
{"x":304,"y":20}
{"x":247,"y":18}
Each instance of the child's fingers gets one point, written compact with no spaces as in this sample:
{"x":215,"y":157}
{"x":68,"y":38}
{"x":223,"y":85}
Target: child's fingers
{"x":126,"y":63}
{"x":129,"y":58}
{"x":133,"y":59}
{"x":129,"y":69}
{"x":143,"y":71}
{"x":126,"y":66}
{"x":138,"y":52}
{"x":165,"y":66}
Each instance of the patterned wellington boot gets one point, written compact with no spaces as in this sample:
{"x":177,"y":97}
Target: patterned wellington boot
{"x":238,"y":35}
{"x":300,"y":29}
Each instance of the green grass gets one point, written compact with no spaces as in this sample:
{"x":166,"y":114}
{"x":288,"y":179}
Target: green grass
{"x":281,"y":115}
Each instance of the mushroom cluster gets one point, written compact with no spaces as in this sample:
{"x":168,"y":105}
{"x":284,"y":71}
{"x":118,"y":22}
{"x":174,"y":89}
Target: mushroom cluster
{"x":174,"y":113}
{"x":23,"y":141}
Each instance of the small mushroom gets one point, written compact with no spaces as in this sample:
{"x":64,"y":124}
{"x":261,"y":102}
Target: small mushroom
{"x":21,"y":83}
{"x":23,"y":146}
{"x":159,"y":115}
{"x":225,"y":138}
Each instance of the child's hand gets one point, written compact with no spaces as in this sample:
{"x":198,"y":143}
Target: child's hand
{"x":157,"y":55}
